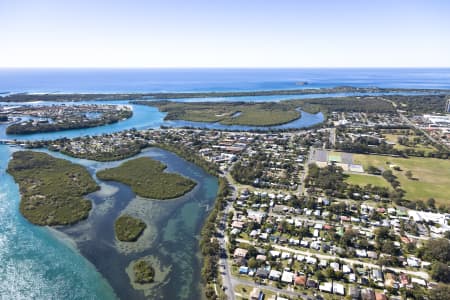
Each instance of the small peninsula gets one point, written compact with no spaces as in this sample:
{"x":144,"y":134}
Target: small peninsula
{"x":128,"y":229}
{"x":147,"y":179}
{"x":52,"y":189}
{"x":65,"y":117}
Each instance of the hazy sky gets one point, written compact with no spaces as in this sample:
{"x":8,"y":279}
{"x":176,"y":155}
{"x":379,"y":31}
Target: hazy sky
{"x":224,"y":33}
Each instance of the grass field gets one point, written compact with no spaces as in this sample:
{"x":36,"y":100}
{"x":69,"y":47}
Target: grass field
{"x":393,"y":138}
{"x":362,"y":180}
{"x":432,"y":175}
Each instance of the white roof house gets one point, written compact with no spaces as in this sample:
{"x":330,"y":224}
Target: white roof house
{"x":338,"y":289}
{"x":287,"y":277}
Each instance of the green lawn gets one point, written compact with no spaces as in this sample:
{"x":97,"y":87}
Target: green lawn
{"x":362,"y":180}
{"x":433,"y":175}
{"x":419,"y":147}
{"x":147,"y":178}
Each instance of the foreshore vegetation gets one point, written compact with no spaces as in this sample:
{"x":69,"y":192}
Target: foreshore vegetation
{"x":128,"y":228}
{"x":147,"y":179}
{"x":143,"y":272}
{"x":52,"y":189}
{"x":126,"y":96}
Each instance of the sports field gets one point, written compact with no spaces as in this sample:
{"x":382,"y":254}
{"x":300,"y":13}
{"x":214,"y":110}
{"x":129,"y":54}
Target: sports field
{"x":362,"y":180}
{"x":431,"y":176}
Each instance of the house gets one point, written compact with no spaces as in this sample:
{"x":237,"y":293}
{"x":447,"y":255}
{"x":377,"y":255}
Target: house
{"x":413,"y":262}
{"x":404,"y":281}
{"x":326,"y":287}
{"x":287,"y":277}
{"x":243,"y":270}
{"x":372,"y":254}
{"x":346,"y":269}
{"x":354,"y":292}
{"x":300,"y":280}
{"x":235,"y":231}
{"x":261,"y":257}
{"x":419,"y":281}
{"x":262,"y":273}
{"x":275,"y":275}
{"x":338,"y":289}
{"x":274,"y":253}
{"x":285,"y":255}
{"x":367,"y":294}
{"x":311,"y":260}
{"x":377,"y":275}
{"x":361,"y":253}
{"x":311,"y":284}
{"x":237,"y":224}
{"x":390,"y":280}
{"x":239,"y":252}
{"x":334,"y":266}
{"x":380,"y":296}
{"x":256,"y":294}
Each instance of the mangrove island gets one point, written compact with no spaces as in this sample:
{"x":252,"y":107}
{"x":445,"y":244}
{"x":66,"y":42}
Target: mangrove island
{"x":52,"y":189}
{"x":147,"y":179}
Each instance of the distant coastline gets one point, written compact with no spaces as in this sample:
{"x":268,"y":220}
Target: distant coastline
{"x":75,"y":97}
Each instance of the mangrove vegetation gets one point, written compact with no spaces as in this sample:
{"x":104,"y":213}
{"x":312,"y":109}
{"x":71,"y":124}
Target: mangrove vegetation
{"x":147,"y":178}
{"x":52,"y":189}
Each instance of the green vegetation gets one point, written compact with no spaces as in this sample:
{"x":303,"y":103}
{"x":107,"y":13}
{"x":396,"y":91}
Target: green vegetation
{"x":190,"y":155}
{"x":143,"y":272}
{"x":147,"y":178}
{"x":229,"y":113}
{"x":362,"y":180}
{"x":128,"y":229}
{"x":209,"y":246}
{"x":52,"y":189}
{"x":88,"y":97}
{"x":267,"y":113}
{"x":430,"y":177}
{"x":419,"y":104}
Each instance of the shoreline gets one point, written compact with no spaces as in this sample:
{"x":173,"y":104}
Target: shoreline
{"x":77,"y":97}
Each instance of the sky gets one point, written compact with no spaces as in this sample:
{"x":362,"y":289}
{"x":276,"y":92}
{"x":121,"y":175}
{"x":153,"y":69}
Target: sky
{"x":224,"y":33}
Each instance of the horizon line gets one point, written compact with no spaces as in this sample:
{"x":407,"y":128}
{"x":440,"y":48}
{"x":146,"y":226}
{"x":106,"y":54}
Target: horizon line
{"x":218,"y":67}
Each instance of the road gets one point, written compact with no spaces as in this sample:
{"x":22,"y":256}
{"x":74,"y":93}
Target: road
{"x":420,"y":274}
{"x":408,"y":121}
{"x":224,"y":267}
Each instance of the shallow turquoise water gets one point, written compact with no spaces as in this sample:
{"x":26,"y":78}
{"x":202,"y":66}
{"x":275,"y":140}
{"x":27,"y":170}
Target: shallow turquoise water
{"x":34,"y":263}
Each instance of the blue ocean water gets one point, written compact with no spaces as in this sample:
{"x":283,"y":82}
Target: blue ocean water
{"x":173,"y":80}
{"x":34,"y":264}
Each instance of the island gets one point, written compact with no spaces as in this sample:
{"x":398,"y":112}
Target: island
{"x":143,"y":272}
{"x":263,"y":114}
{"x":147,"y":179}
{"x":228,"y":113}
{"x":128,"y":229}
{"x":65,"y":117}
{"x":52,"y":189}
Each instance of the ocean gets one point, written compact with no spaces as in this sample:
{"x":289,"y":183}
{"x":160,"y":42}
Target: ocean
{"x":191,"y":80}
